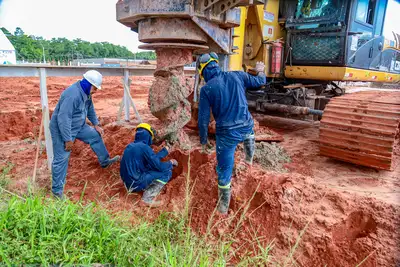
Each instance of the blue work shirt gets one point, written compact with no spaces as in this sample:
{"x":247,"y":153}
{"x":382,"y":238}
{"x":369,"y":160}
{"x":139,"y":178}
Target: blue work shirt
{"x":139,"y":159}
{"x":225,"y":94}
{"x":71,"y":112}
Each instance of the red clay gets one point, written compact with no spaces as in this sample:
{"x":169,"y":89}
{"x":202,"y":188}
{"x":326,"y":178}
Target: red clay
{"x":338,"y":214}
{"x":169,"y":92}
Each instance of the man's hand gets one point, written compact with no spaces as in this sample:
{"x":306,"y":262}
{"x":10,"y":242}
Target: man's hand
{"x":99,"y":130}
{"x":174,"y":162}
{"x":68,"y":145}
{"x":260,"y":67}
{"x":167,"y":147}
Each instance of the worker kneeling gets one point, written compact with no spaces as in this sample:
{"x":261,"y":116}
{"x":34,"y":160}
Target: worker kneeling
{"x":142,"y":169}
{"x":68,"y":123}
{"x":225,"y":95}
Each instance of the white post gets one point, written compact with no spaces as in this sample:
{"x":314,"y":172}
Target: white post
{"x":126,"y":96}
{"x":126,"y":88}
{"x":46,"y":120}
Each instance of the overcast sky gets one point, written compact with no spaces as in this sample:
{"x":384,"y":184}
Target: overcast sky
{"x":392,"y":22}
{"x":94,"y":20}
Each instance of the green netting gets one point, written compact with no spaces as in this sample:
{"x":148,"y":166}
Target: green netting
{"x":315,"y":48}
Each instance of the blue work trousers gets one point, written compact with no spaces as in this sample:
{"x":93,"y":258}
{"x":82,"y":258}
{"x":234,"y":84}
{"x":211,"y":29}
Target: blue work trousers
{"x":89,"y":136}
{"x":147,"y":178}
{"x":227,"y":142}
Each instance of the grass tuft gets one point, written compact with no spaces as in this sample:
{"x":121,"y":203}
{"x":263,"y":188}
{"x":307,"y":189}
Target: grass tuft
{"x":5,"y":177}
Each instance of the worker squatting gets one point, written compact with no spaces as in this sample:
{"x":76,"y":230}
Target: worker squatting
{"x":142,"y":169}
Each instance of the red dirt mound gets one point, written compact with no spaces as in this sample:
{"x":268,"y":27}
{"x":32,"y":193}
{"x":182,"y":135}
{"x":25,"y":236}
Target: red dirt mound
{"x":17,"y":125}
{"x":21,"y":109}
{"x":306,"y":221}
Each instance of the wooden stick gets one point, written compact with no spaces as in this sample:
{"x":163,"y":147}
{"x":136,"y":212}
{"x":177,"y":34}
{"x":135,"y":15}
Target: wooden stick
{"x":38,"y":148}
{"x":11,"y":193}
{"x":121,"y":106}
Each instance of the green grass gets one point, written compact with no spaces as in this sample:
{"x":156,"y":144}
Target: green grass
{"x":39,"y":230}
{"x":46,"y":231}
{"x":5,"y":177}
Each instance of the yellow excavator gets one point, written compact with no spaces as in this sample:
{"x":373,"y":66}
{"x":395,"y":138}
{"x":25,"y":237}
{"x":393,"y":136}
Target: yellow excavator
{"x":308,"y":46}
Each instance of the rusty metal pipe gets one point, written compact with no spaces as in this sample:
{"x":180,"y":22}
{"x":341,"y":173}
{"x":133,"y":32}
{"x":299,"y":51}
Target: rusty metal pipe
{"x":295,"y":110}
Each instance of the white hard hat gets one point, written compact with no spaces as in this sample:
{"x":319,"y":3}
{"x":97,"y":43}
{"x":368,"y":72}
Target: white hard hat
{"x":94,"y":77}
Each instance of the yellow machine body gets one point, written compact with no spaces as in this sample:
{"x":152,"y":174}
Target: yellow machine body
{"x":260,"y":26}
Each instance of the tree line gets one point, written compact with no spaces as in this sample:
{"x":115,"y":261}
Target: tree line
{"x":31,"y":48}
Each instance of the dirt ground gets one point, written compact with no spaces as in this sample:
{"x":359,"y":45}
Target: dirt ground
{"x":315,"y":210}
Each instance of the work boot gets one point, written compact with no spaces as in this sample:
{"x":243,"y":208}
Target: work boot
{"x":224,"y":196}
{"x":249,"y":148}
{"x":151,"y":193}
{"x":110,"y":162}
{"x":59,"y":196}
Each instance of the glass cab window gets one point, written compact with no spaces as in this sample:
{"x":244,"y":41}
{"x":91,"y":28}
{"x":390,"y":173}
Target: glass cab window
{"x":316,"y":8}
{"x":365,"y":11}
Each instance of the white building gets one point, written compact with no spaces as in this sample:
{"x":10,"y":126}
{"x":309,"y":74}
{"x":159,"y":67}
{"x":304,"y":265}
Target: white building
{"x":7,"y":50}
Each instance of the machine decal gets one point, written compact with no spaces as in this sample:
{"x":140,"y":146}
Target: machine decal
{"x":268,"y":16}
{"x":268,"y":31}
{"x":354,"y":43}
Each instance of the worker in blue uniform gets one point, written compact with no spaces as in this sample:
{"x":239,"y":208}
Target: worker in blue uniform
{"x":68,"y":123}
{"x":224,"y":94}
{"x":142,"y":169}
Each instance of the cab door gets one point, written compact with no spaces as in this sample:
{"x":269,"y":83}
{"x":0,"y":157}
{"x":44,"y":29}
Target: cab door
{"x":365,"y":41}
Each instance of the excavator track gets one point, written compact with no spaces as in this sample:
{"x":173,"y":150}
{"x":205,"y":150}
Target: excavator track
{"x":363,"y":128}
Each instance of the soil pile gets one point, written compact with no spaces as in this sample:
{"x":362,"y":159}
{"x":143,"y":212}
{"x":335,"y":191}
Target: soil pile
{"x":20,"y":124}
{"x":306,"y":221}
{"x":271,"y":156}
{"x":21,"y":108}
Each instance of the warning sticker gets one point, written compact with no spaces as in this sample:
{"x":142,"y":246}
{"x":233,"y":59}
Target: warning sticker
{"x":268,"y":31}
{"x":354,"y":43}
{"x":268,"y":16}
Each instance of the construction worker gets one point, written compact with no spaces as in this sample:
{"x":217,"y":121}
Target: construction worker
{"x":68,"y":123}
{"x":224,"y":94}
{"x":142,"y":169}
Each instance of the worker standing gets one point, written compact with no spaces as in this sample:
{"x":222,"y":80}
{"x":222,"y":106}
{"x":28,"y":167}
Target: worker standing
{"x":224,"y":94}
{"x":68,"y":123}
{"x":142,"y":169}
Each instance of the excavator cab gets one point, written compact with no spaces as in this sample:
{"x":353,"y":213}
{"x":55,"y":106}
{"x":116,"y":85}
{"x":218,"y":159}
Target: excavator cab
{"x":340,"y":34}
{"x":343,"y":40}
